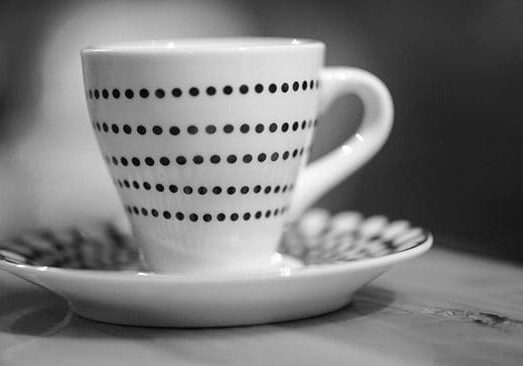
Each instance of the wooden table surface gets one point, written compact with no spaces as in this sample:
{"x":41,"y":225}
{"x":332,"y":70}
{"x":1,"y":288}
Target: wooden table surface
{"x":442,"y":308}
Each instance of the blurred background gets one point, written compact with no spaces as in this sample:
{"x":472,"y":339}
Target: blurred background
{"x":453,"y":163}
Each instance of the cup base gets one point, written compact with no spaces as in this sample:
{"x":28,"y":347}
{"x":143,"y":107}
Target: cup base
{"x":279,"y":264}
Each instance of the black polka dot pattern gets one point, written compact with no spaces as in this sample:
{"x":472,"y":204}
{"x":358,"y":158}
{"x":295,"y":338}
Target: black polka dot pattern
{"x":211,"y":129}
{"x":284,"y":87}
{"x":207,"y":217}
{"x":230,"y":159}
{"x":129,"y":184}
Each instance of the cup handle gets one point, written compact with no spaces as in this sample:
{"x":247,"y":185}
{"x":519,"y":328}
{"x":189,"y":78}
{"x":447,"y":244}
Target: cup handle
{"x":324,"y":173}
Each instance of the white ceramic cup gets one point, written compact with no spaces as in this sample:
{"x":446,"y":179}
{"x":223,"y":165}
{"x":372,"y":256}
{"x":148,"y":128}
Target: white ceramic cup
{"x":207,"y":140}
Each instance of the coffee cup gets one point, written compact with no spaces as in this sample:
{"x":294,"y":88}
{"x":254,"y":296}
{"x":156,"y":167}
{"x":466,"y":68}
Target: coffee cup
{"x":207,"y":142}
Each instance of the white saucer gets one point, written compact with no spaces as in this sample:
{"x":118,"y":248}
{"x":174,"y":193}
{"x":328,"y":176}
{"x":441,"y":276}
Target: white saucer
{"x":96,"y":270}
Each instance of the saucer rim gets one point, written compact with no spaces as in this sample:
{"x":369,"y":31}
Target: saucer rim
{"x":21,"y":270}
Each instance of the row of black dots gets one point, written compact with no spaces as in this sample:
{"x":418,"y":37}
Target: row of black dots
{"x":202,"y":190}
{"x":200,"y":159}
{"x":206,"y":217}
{"x":210,"y":129}
{"x":160,"y":93}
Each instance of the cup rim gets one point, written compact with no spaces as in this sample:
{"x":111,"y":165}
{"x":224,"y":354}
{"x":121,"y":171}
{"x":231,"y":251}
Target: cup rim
{"x":204,"y":45}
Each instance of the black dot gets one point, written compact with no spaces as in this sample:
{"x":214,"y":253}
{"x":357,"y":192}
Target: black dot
{"x":244,"y":190}
{"x":90,"y":94}
{"x":285,"y":127}
{"x":136,"y":210}
{"x":258,"y":214}
{"x":246,"y":216}
{"x":234,"y":217}
{"x":167,"y":215}
{"x":217,"y":190}
{"x":160,"y":93}
{"x":115,"y":128}
{"x":115,"y":161}
{"x":267,"y":189}
{"x":244,"y":89}
{"x":165,"y":161}
{"x":244,"y":128}
{"x":116,"y":93}
{"x":295,"y":125}
{"x":276,"y":189}
{"x":231,"y":190}
{"x":197,"y":159}
{"x":180,"y":216}
{"x":285,"y":155}
{"x":202,"y":190}
{"x":105,"y":93}
{"x":231,"y":159}
{"x":215,"y":159}
{"x":258,"y":88}
{"x":187,"y":190}
{"x":274,"y":156}
{"x":207,"y":217}
{"x":220,"y":217}
{"x":303,"y":124}
{"x":262,"y":157}
{"x":301,"y":151}
{"x":181,"y":160}
{"x":176,"y":92}
{"x":311,"y":84}
{"x":149,"y":161}
{"x":157,"y":130}
{"x":304,"y":85}
{"x":154,"y":212}
{"x":273,"y":127}
{"x":144,"y":93}
{"x":174,"y":130}
{"x":227,"y":90}
{"x":124,"y":161}
{"x":273,"y":88}
{"x":276,"y":212}
{"x":295,"y":86}
{"x":257,"y":189}
{"x":193,"y":217}
{"x":228,"y":128}
{"x":135,"y":161}
{"x":268,"y":213}
{"x":136,"y":185}
{"x":96,"y":94}
{"x":192,"y":129}
{"x":294,"y":153}
{"x":147,"y":186}
{"x":194,"y":91}
{"x":144,"y":212}
{"x":129,"y":94}
{"x":98,"y":127}
{"x":126,"y":183}
{"x":173,"y":188}
{"x":211,"y":90}
{"x":120,"y":184}
{"x":259,"y":128}
{"x":160,"y":187}
{"x":247,"y":158}
{"x":105,"y":127}
{"x":141,"y":130}
{"x":127,"y":129}
{"x":284,"y":189}
{"x":210,"y":129}
{"x":285,"y":87}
